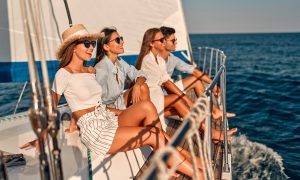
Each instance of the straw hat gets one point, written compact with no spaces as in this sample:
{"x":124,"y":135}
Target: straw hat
{"x":74,"y":33}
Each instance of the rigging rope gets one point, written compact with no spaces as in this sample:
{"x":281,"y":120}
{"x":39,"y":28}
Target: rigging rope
{"x":195,"y":117}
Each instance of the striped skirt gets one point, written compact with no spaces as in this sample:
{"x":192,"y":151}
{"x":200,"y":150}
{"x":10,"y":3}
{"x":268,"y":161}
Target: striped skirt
{"x":97,"y":130}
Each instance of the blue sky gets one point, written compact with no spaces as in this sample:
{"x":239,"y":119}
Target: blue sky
{"x":234,"y":16}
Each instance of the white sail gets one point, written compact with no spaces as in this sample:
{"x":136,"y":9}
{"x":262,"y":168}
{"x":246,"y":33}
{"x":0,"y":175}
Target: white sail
{"x":131,"y":17}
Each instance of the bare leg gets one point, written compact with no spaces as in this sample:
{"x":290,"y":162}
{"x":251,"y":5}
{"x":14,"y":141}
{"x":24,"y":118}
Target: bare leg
{"x":192,"y":83}
{"x":128,"y":138}
{"x":217,"y":113}
{"x":219,"y":135}
{"x":140,"y":114}
{"x":172,"y":101}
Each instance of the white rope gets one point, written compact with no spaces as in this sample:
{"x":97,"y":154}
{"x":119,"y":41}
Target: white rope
{"x":163,"y":171}
{"x":195,"y":117}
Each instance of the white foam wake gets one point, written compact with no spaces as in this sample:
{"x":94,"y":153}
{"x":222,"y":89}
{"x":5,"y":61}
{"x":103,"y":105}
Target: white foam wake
{"x":253,"y":160}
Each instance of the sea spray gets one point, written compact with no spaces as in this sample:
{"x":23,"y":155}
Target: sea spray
{"x":253,"y":160}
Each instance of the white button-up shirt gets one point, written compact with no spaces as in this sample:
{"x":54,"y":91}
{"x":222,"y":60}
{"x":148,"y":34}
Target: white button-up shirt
{"x":156,"y":75}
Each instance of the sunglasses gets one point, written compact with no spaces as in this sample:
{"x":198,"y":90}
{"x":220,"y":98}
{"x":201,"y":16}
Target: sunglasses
{"x":172,"y":40}
{"x":117,"y":40}
{"x":87,"y":43}
{"x":160,"y":40}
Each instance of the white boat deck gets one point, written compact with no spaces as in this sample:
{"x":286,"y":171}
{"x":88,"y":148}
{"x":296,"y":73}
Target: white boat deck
{"x":16,"y":131}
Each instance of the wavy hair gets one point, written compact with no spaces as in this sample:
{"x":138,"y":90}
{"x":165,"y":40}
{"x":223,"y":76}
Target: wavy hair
{"x":145,"y":48}
{"x":105,"y":35}
{"x":67,"y":55}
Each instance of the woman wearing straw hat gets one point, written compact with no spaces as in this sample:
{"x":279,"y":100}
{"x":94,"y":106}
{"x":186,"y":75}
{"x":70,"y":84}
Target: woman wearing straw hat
{"x":100,"y":130}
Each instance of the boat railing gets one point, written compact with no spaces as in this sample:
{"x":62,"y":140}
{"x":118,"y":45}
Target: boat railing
{"x":20,"y":97}
{"x":215,"y":60}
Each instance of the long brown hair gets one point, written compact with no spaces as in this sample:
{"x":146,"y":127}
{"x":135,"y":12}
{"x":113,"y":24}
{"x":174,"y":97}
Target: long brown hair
{"x":145,"y":48}
{"x":100,"y":52}
{"x":67,"y":55}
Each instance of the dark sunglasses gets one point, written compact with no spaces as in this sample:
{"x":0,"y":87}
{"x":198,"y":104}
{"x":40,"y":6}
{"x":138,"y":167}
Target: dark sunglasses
{"x":87,"y":43}
{"x":172,"y":40}
{"x":117,"y":40}
{"x":160,"y":40}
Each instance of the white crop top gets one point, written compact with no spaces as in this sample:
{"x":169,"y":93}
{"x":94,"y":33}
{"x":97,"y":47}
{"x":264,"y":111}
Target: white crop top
{"x":81,"y":90}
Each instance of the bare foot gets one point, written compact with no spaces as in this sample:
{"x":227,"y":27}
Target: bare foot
{"x":219,"y":135}
{"x":230,"y":115}
{"x":30,"y":144}
{"x":217,"y":114}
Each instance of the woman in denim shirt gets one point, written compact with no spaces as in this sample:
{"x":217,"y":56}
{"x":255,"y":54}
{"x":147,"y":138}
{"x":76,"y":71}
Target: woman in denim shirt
{"x":112,"y":73}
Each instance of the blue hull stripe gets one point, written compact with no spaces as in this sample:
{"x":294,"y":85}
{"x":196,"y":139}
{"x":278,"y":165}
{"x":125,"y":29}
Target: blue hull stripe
{"x":18,"y":71}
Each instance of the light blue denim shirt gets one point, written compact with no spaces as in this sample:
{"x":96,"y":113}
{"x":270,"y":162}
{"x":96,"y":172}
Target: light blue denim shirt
{"x":106,"y":75}
{"x":176,"y":63}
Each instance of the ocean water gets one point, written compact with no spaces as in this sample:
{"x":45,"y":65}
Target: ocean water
{"x":263,"y":89}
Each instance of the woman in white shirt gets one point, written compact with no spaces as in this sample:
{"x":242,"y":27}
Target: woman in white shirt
{"x":155,"y":69}
{"x":100,"y":130}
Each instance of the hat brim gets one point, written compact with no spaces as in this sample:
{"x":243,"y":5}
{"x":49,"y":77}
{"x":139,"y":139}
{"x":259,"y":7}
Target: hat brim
{"x":61,"y":49}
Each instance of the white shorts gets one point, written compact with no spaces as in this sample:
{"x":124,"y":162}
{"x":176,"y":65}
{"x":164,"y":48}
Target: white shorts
{"x":97,"y":130}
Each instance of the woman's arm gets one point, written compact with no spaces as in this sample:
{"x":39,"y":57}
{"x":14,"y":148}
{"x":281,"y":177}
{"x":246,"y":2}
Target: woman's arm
{"x":116,"y":111}
{"x":56,"y":97}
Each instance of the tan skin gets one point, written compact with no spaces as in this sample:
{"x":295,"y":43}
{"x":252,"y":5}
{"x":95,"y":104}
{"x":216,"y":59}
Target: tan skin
{"x":191,"y":82}
{"x":139,"y":91}
{"x":177,"y":102}
{"x":130,"y":134}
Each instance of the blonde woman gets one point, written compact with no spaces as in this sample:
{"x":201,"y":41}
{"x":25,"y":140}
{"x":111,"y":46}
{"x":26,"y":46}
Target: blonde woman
{"x":154,"y":67}
{"x":100,"y":130}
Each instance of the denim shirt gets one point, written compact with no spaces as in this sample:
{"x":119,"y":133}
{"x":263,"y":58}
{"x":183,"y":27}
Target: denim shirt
{"x":176,"y":63}
{"x":107,"y":74}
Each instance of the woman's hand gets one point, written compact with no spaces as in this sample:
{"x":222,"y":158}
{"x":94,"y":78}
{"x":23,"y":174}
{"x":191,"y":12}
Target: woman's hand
{"x":30,"y":144}
{"x":136,"y":94}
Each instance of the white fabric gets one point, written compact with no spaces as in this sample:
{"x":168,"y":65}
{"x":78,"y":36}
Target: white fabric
{"x":156,"y":72}
{"x":97,"y":130}
{"x":81,"y":90}
{"x":156,"y":75}
{"x":81,"y":32}
{"x":179,"y":84}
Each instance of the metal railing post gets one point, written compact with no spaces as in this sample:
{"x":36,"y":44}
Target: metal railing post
{"x":225,"y":121}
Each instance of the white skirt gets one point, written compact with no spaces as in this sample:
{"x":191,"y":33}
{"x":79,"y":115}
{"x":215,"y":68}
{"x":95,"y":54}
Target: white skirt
{"x":97,"y":130}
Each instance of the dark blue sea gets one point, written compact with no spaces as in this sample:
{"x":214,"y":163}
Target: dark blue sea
{"x":263,"y":89}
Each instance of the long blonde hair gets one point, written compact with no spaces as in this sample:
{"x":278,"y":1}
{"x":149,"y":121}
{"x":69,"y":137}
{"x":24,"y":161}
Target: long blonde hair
{"x":145,"y":48}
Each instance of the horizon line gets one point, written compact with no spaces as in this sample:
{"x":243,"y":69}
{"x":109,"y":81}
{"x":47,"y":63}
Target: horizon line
{"x":279,"y":32}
